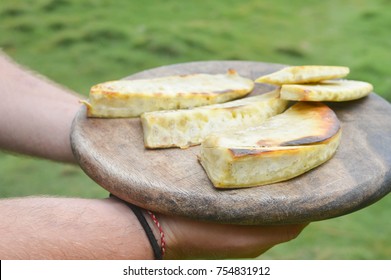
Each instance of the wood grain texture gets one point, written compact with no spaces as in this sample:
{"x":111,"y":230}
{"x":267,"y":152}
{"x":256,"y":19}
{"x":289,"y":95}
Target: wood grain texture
{"x":172,"y":181}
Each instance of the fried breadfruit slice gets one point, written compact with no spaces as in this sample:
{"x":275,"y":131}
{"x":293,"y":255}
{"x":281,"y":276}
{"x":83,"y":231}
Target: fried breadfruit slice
{"x":187,"y":127}
{"x":131,"y":98}
{"x":304,"y":74}
{"x":331,"y":90}
{"x":285,"y":146}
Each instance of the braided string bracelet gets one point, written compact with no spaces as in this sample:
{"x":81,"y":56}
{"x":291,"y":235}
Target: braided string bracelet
{"x":158,"y":251}
{"x":161,"y":232}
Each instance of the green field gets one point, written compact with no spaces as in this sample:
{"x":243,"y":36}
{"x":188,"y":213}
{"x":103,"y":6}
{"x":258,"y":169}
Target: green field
{"x":81,"y":43}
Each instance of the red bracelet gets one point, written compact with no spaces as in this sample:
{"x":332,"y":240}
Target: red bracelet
{"x":162,"y":240}
{"x":158,"y":251}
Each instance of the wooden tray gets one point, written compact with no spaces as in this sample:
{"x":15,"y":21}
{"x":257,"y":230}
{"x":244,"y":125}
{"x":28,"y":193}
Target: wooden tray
{"x":172,"y":181}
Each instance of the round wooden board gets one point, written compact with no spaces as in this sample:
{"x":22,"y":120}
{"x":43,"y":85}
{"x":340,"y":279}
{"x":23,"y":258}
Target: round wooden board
{"x":172,"y":181}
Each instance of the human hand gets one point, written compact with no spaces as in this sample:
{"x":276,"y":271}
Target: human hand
{"x":190,"y":239}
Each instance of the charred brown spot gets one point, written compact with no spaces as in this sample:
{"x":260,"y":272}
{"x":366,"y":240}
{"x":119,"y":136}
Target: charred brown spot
{"x":331,"y":124}
{"x":238,"y":152}
{"x":329,"y":119}
{"x":304,"y":141}
{"x":245,"y":152}
{"x":328,"y":126}
{"x":232,"y":71}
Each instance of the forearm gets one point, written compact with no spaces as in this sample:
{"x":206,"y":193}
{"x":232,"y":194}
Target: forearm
{"x":36,"y":114}
{"x":65,"y":228}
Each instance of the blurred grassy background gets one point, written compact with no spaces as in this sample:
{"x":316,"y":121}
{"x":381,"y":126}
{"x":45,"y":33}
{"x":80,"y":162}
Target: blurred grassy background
{"x":80,"y":43}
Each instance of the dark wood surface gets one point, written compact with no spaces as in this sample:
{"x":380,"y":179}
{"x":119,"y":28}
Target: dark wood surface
{"x":172,"y":181}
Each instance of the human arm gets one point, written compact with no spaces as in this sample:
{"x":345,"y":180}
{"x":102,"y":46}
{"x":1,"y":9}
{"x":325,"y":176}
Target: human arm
{"x":36,"y":114}
{"x":70,"y":228}
{"x":75,"y":228}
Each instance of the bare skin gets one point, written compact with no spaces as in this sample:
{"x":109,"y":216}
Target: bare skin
{"x":35,"y":119}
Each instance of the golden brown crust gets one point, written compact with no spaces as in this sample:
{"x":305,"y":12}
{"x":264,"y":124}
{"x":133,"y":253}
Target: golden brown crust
{"x":290,"y":148}
{"x":131,"y":98}
{"x":330,"y":90}
{"x":287,"y":145}
{"x":304,"y":74}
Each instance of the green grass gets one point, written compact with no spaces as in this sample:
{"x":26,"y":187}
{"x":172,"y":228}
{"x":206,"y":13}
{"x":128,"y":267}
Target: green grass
{"x":102,"y":40}
{"x":81,"y":43}
{"x":22,"y":176}
{"x":364,"y":234}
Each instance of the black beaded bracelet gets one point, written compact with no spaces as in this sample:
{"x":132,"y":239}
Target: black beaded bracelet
{"x":148,"y":231}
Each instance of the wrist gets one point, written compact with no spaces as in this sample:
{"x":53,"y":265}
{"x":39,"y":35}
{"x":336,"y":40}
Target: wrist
{"x":154,"y":223}
{"x":151,"y":227}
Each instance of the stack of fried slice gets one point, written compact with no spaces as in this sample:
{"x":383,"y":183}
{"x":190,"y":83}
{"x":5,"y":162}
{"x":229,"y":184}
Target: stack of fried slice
{"x":316,"y":83}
